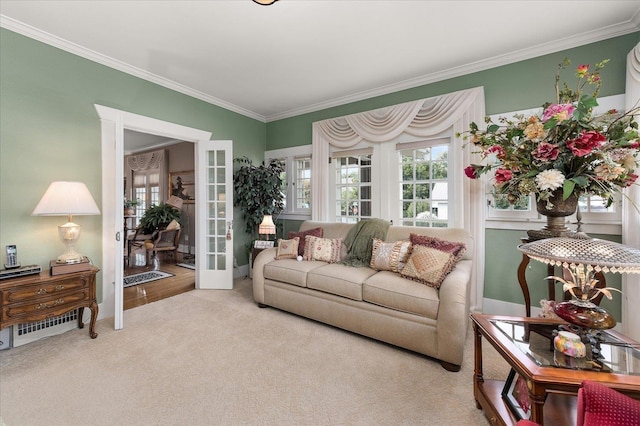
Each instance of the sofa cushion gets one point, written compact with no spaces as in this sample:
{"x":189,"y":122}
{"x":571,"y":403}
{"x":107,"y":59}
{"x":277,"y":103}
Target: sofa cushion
{"x":392,"y":291}
{"x":428,"y":265}
{"x":316,"y":232}
{"x":290,"y":271}
{"x":324,"y":249}
{"x":288,"y":249}
{"x":389,"y":256}
{"x":340,"y":280}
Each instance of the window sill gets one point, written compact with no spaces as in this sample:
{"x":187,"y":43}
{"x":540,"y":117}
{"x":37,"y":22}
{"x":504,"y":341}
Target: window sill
{"x":609,"y":228}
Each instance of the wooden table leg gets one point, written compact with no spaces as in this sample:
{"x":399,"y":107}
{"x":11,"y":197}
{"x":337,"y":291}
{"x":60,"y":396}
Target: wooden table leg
{"x":94,"y":317}
{"x":477,"y":371}
{"x":537,"y":396}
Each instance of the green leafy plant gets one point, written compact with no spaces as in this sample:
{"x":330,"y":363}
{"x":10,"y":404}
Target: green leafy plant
{"x":130,"y":203}
{"x":257,"y":191}
{"x":158,"y":217}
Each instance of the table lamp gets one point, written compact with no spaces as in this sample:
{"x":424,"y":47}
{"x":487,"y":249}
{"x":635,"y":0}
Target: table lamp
{"x":67,"y":199}
{"x":583,"y":258}
{"x":267,"y":227}
{"x":175,"y":202}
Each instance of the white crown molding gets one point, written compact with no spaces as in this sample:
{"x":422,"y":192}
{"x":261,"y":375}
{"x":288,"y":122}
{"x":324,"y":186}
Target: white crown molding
{"x":55,"y":41}
{"x":600,"y":34}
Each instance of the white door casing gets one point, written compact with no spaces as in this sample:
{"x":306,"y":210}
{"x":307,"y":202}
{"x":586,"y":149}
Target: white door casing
{"x":113,"y":122}
{"x":214,"y":215}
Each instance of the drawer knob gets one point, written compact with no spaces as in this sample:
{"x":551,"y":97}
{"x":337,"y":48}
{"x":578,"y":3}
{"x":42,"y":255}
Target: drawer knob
{"x":59,"y":287}
{"x":50,"y":305}
{"x":41,"y":291}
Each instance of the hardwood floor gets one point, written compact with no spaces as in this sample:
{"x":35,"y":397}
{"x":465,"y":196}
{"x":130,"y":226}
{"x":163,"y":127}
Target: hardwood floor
{"x":183,"y":280}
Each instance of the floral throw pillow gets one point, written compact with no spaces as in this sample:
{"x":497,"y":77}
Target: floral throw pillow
{"x":288,"y":249}
{"x":389,"y":256}
{"x":453,"y":247}
{"x":324,"y":249}
{"x":316,"y":232}
{"x":428,"y":265}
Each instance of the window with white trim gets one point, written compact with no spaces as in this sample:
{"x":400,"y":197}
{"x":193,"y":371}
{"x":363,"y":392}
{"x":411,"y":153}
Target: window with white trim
{"x":296,"y":180}
{"x":146,"y":189}
{"x":424,"y":174}
{"x":353,"y":190}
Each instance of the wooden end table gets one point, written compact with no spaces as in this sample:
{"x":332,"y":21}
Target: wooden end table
{"x":552,"y":379}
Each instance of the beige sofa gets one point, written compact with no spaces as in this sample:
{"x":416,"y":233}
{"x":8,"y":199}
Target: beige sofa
{"x":378,"y":304}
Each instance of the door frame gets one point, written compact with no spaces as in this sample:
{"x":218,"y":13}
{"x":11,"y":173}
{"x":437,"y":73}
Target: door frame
{"x":113,"y":123}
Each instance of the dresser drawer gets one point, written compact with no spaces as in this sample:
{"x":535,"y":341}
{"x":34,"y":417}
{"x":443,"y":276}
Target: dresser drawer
{"x":28,"y":292}
{"x":43,"y":307}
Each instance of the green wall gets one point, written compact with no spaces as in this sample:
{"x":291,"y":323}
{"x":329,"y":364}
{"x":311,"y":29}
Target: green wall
{"x":49,"y":130}
{"x":513,"y":87}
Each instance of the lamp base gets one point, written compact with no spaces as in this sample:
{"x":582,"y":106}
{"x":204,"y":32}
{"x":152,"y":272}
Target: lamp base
{"x":69,"y":234}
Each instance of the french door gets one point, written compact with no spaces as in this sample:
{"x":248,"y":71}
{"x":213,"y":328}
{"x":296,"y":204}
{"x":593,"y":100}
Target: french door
{"x":214,"y":215}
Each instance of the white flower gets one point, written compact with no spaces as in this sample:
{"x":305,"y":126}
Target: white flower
{"x":549,"y":180}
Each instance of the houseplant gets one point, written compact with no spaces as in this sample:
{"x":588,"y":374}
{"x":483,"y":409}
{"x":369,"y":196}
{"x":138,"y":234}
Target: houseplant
{"x":158,"y":217}
{"x":129,"y":207}
{"x":563,"y":152}
{"x":257,"y":191}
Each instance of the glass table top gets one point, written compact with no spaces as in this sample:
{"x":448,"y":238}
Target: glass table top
{"x":618,"y":356}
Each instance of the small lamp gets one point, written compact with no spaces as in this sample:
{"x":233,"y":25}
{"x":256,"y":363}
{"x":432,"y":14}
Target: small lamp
{"x":584,"y":258}
{"x":67,"y":199}
{"x":175,"y":202}
{"x":267,"y":227}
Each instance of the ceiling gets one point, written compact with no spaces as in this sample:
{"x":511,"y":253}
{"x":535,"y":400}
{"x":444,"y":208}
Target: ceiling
{"x":298,"y":56}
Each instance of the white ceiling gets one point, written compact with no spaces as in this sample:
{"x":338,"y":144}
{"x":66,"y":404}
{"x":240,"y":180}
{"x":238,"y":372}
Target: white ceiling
{"x":297,"y":56}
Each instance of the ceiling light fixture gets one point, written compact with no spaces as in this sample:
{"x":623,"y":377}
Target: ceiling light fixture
{"x":265,"y":2}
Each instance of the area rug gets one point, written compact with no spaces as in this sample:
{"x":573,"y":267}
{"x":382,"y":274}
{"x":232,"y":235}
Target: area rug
{"x":144,"y":277}
{"x":188,"y":265}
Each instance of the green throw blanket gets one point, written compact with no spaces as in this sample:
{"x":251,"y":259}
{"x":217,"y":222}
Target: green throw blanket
{"x":359,"y":241}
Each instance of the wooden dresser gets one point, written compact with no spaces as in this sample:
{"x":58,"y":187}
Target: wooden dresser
{"x":37,"y":297}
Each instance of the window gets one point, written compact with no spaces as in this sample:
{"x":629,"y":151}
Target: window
{"x":424,"y":171}
{"x":353,"y":186}
{"x":146,"y":189}
{"x":296,"y":180}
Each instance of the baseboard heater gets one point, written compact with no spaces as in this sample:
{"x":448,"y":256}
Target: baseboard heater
{"x":32,"y":331}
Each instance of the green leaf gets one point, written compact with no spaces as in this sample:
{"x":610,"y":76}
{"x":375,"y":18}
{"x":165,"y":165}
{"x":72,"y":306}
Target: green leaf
{"x":567,"y":188}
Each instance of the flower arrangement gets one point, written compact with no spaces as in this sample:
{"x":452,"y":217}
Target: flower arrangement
{"x":565,"y":146}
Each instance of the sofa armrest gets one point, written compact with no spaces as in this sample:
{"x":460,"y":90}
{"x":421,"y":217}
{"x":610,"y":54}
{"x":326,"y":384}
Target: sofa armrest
{"x":264,"y":257}
{"x":453,"y":313}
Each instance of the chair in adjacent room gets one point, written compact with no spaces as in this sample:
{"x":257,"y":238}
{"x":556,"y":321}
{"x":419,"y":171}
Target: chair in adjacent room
{"x":165,"y":241}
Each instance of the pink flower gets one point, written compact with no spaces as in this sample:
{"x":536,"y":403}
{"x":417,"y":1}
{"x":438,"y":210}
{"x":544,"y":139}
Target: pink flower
{"x":546,"y":152}
{"x":471,"y":172}
{"x":503,"y":175}
{"x":582,"y":70}
{"x":559,"y":112}
{"x":496,"y":149}
{"x":585,"y":143}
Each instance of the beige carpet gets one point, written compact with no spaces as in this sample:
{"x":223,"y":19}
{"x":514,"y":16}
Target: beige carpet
{"x":215,"y":358}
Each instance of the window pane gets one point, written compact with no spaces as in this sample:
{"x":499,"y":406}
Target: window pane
{"x":353,"y":188}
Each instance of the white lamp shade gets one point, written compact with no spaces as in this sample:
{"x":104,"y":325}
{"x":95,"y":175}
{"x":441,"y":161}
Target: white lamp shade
{"x":267,"y":226}
{"x":175,"y":202}
{"x":65,"y":198}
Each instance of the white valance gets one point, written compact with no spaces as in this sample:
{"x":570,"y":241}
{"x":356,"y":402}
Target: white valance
{"x":146,"y":161}
{"x":423,"y":118}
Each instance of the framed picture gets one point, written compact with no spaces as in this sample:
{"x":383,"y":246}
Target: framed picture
{"x":263,"y":244}
{"x":516,"y":395}
{"x":183,"y":185}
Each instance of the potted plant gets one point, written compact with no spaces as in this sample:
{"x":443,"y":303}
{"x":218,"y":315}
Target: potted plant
{"x":130,"y":207}
{"x":258,"y":191}
{"x":158,"y":217}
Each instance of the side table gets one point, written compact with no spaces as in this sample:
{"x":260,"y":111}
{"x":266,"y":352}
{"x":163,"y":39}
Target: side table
{"x":37,"y":297}
{"x":552,"y":385}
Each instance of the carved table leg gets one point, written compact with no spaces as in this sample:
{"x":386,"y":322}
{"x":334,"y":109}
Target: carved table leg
{"x":80,"y":313}
{"x":94,"y":316}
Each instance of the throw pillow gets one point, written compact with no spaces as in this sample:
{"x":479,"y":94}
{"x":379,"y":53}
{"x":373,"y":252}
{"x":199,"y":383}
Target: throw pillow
{"x":316,"y":232}
{"x":389,"y":256}
{"x":453,"y":247}
{"x":428,"y":265}
{"x":325,"y":249}
{"x":288,"y":249}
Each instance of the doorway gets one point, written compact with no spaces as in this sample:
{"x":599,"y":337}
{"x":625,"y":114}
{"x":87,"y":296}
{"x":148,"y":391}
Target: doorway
{"x":155,"y":169}
{"x":113,"y":124}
